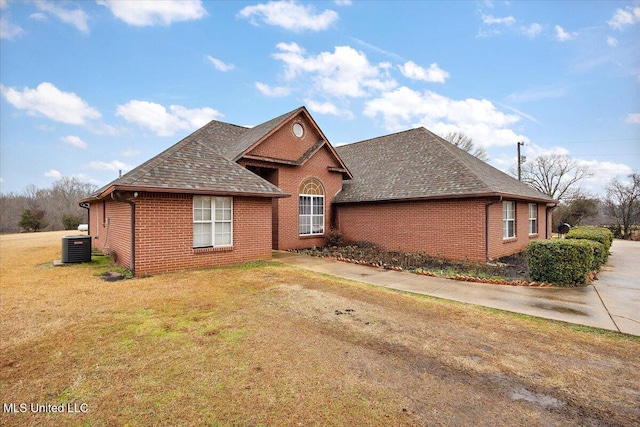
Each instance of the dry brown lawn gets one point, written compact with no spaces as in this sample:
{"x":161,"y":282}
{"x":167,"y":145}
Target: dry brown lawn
{"x":270,"y":345}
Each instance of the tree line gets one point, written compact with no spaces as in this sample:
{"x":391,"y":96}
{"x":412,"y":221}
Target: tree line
{"x":561,"y":177}
{"x":47,"y":209}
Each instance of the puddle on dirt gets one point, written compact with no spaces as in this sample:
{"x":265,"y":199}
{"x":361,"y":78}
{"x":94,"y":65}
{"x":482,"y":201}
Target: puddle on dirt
{"x":559,"y":309}
{"x":111,"y":276}
{"x":537,"y":398}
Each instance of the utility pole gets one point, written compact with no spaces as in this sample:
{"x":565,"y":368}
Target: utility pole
{"x":519,"y":162}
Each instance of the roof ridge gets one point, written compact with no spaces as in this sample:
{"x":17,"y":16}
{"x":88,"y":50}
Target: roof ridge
{"x":456,"y":151}
{"x":379,"y":137}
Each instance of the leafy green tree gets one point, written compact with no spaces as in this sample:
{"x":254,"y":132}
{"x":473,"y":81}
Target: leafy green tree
{"x":71,"y":222}
{"x":32,"y":220}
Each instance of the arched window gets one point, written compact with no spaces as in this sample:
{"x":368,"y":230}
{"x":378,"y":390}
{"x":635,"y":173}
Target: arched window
{"x":311,"y":207}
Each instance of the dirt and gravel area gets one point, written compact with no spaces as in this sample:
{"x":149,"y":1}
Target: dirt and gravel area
{"x":511,"y":268}
{"x":265,"y":344}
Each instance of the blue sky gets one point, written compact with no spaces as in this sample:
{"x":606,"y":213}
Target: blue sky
{"x":91,"y":88}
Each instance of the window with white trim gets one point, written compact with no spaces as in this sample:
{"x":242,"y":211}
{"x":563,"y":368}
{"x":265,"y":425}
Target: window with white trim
{"x":533,"y":218}
{"x":508,"y":220}
{"x":311,"y":207}
{"x":212,"y":221}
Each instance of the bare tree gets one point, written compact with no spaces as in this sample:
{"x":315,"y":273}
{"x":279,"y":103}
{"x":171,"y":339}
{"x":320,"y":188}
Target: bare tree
{"x":557,"y":176}
{"x":465,"y":143}
{"x":580,"y":208}
{"x":59,"y":204}
{"x":622,"y":203}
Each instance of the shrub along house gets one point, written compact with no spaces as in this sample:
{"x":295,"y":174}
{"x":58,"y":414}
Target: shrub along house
{"x":228,"y":194}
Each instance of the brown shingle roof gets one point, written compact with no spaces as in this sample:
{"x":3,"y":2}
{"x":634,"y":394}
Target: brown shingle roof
{"x":417,"y":164}
{"x":198,"y":163}
{"x":205,"y":161}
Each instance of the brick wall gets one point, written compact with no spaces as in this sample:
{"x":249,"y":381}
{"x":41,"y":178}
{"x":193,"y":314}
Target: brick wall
{"x":448,"y":229}
{"x":164,"y":233}
{"x":285,"y":210}
{"x":499,"y":247}
{"x":452,"y":229}
{"x":110,"y":229}
{"x":289,"y":180}
{"x":283,"y":144}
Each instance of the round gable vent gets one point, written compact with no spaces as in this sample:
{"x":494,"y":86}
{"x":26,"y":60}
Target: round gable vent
{"x":298,"y":130}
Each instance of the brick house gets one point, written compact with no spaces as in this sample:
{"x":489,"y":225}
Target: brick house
{"x":414,"y":191}
{"x":229,"y":194}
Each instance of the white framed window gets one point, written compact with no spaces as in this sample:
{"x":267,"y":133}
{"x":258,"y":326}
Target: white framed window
{"x":508,"y":220}
{"x":533,"y":218}
{"x":212,"y":221}
{"x":311,"y":207}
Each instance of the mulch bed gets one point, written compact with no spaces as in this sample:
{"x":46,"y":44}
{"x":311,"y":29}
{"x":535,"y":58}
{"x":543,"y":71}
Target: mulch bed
{"x":512,"y":270}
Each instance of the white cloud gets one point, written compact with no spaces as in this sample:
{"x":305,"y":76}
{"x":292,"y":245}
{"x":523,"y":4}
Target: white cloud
{"x":77,"y":17}
{"x":156,"y":118}
{"x":478,"y":118}
{"x":538,"y":93}
{"x":342,"y":2}
{"x":322,"y":107}
{"x":38,"y":16}
{"x":220,"y":66}
{"x":343,"y":73}
{"x":562,"y":35}
{"x":273,"y":92}
{"x":532,"y":30}
{"x":290,"y":16}
{"x":114,"y":165}
{"x":49,"y":101}
{"x":603,"y":172}
{"x":52,"y":173}
{"x":612,"y":41}
{"x":491,"y":20}
{"x":496,"y":26}
{"x":433,"y":74}
{"x":632,"y":118}
{"x":142,"y":13}
{"x":377,"y":49}
{"x":533,"y":150}
{"x":74,"y":141}
{"x":621,"y":18}
{"x":9,"y":30}
{"x":327,"y":108}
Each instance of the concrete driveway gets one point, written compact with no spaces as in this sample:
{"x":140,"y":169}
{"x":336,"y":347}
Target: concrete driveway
{"x":612,"y":302}
{"x":619,"y":286}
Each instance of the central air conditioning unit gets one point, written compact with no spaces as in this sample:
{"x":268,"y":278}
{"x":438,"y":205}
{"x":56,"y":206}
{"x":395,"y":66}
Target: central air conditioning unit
{"x":76,"y":249}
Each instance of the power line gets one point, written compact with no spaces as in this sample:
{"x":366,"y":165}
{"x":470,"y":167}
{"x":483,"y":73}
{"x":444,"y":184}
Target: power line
{"x":582,"y":141}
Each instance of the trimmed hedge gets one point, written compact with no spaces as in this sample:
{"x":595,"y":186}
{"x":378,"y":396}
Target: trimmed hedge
{"x":562,"y":262}
{"x":600,"y":254}
{"x":597,"y":234}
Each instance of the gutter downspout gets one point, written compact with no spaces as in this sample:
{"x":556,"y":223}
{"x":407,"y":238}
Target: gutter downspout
{"x":548,"y":211}
{"x":86,"y":206}
{"x":118,"y":198}
{"x":486,"y":227}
